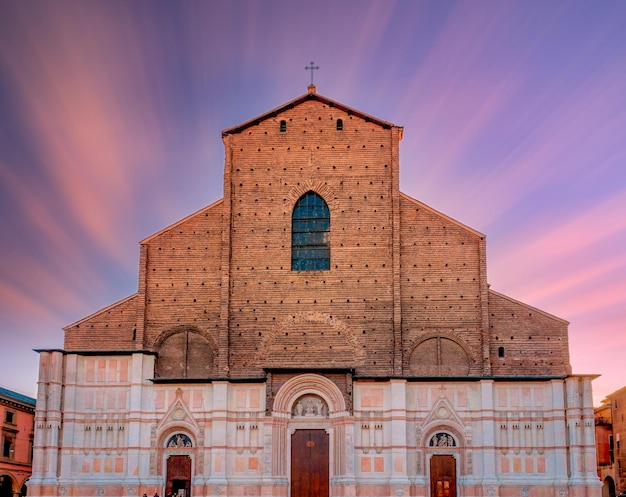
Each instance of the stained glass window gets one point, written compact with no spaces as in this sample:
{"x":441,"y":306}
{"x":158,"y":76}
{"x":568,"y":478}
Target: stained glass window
{"x":310,"y":230}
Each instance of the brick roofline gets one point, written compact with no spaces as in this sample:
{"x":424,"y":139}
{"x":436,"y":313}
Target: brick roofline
{"x":527,"y":306}
{"x":101,"y":311}
{"x":303,"y":98}
{"x":181,"y":221}
{"x":439,"y":213}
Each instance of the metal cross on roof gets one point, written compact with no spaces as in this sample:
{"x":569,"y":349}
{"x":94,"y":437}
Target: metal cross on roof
{"x":312,"y":68}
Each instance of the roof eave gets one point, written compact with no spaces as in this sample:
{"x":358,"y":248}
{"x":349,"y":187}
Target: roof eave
{"x":297,"y":101}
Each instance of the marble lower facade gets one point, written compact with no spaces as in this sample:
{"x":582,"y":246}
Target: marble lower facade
{"x":103,"y":429}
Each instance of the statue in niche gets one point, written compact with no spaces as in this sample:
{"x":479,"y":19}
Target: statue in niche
{"x":310,"y":406}
{"x":179,"y":441}
{"x":442,"y":440}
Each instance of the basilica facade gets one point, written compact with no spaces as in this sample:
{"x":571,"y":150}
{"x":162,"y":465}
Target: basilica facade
{"x":314,"y":333}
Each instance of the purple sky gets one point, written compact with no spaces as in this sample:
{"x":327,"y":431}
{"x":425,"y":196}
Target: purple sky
{"x":111,"y":112}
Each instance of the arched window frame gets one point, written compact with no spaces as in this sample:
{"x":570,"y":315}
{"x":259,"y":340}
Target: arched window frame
{"x":339,"y":124}
{"x":310,"y":234}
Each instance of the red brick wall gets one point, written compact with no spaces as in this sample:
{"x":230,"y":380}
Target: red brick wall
{"x":311,"y":318}
{"x":534,"y":342}
{"x":225,"y":271}
{"x":112,"y":328}
{"x":182,"y":276}
{"x":441,"y":280}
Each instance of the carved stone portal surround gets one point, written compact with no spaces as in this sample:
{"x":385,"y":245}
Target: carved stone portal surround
{"x":312,"y":401}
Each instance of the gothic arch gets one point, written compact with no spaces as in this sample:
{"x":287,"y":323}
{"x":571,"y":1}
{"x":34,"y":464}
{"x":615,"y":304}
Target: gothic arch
{"x":319,"y":187}
{"x":309,"y":383}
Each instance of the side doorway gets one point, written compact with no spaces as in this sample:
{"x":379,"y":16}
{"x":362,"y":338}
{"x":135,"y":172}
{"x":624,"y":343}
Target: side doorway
{"x":309,"y":463}
{"x":442,"y":476}
{"x":179,"y":476}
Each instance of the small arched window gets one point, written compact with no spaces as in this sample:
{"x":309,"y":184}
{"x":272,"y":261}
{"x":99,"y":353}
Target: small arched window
{"x":283,"y":126}
{"x":310,"y":230}
{"x":339,"y":124}
{"x":500,"y":351}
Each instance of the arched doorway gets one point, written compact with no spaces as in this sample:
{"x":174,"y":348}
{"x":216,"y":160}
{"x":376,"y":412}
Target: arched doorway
{"x":608,"y":487}
{"x":178,"y":466}
{"x":6,"y":486}
{"x":314,"y":433}
{"x":443,"y":478}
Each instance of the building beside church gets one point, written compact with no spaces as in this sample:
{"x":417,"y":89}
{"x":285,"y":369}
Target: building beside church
{"x":315,"y":332}
{"x":610,"y":421}
{"x":17,"y":415}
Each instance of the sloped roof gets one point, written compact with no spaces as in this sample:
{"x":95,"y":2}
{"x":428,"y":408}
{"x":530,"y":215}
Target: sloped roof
{"x":442,"y":215}
{"x":311,"y":95}
{"x":11,"y":395}
{"x":528,"y":306}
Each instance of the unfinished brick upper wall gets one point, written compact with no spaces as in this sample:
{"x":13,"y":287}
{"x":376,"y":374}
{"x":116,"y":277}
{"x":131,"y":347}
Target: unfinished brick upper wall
{"x":112,"y":328}
{"x":182,"y":275}
{"x":406,"y":292}
{"x":313,"y":319}
{"x":442,"y":277}
{"x":531,"y":342}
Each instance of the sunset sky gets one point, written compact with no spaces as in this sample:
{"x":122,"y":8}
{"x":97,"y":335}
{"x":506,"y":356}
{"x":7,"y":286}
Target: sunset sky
{"x":514,"y":116}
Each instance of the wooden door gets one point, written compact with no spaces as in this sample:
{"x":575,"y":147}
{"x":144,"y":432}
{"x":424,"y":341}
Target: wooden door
{"x":179,"y":476}
{"x":442,"y":476}
{"x":309,"y":464}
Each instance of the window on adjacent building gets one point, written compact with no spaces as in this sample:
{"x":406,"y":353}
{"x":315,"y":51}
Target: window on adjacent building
{"x":7,"y":446}
{"x":310,"y":230}
{"x":283,"y":126}
{"x":339,"y":124}
{"x":9,"y":417}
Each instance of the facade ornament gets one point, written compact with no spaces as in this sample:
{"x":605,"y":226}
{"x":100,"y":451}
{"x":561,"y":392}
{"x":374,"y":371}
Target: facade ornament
{"x":310,"y":406}
{"x":442,"y":440}
{"x":179,"y":441}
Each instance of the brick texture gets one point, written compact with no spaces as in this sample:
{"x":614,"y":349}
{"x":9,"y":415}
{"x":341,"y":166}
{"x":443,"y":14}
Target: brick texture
{"x":406,"y":293}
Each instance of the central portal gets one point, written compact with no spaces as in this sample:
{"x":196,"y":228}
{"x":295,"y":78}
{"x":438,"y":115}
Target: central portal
{"x":309,"y":463}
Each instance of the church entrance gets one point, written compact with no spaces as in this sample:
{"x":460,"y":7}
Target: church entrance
{"x":179,"y":476}
{"x":309,"y":463}
{"x":442,"y":476}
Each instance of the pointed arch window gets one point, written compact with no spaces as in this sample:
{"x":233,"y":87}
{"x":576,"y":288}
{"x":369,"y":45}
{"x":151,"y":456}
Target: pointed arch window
{"x":310,"y":230}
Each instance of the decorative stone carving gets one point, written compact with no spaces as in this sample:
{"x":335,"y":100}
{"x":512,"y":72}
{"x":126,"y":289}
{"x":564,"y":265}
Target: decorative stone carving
{"x":310,"y":406}
{"x":178,"y":441}
{"x":442,"y":440}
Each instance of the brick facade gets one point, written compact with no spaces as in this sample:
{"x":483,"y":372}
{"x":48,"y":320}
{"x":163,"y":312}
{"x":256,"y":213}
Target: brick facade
{"x":401,"y":335}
